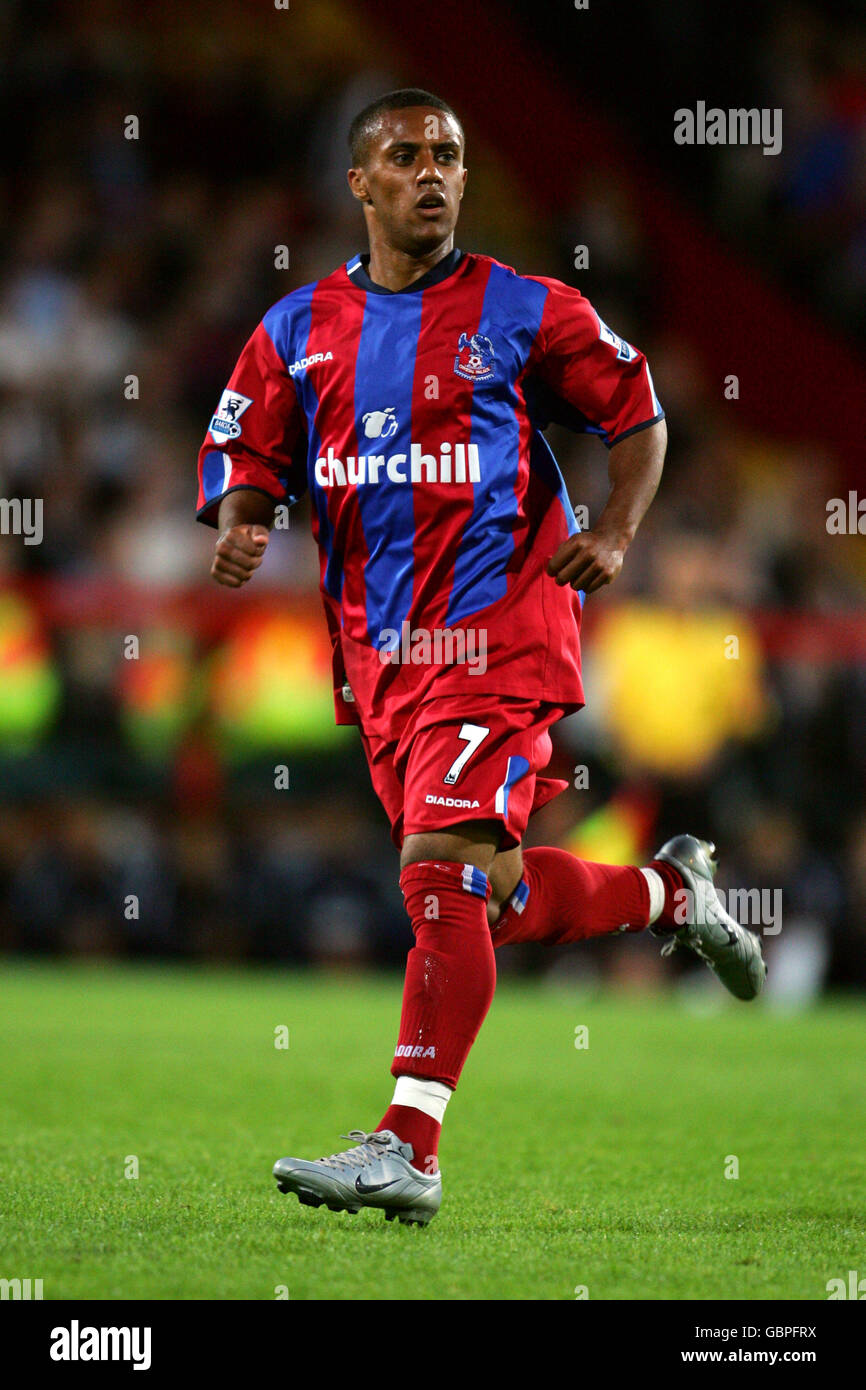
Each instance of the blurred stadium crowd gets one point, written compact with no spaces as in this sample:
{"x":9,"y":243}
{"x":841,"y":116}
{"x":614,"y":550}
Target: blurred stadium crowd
{"x":807,"y":210}
{"x":801,"y":214}
{"x":726,"y":674}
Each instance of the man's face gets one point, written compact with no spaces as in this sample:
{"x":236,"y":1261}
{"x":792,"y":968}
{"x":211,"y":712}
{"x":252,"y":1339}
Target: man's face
{"x":413,"y":178}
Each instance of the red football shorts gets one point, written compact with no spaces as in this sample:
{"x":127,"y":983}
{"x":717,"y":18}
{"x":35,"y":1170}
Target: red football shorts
{"x":462,"y":758}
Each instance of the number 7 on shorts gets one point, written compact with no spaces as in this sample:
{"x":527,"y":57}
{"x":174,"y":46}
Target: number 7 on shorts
{"x":473,"y":735}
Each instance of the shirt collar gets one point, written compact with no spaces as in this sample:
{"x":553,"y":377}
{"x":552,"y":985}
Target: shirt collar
{"x":440,"y":271}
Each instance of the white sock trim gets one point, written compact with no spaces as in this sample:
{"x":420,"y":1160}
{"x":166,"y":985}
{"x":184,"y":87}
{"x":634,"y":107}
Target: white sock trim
{"x":429,"y":1096}
{"x":656,"y":892}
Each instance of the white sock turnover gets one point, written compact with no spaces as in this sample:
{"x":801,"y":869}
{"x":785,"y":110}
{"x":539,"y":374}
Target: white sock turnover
{"x":656,"y":892}
{"x":429,"y":1096}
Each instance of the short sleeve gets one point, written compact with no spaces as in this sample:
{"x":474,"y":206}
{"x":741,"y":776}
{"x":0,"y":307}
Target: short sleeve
{"x":256,"y":437}
{"x":584,"y":375}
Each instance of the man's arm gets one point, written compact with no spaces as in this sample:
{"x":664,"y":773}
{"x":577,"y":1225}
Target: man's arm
{"x":245,"y":520}
{"x":594,"y":558}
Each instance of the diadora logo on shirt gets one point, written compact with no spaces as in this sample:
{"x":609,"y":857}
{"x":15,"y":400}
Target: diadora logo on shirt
{"x":304,"y":362}
{"x":407,"y":1050}
{"x":458,"y":463}
{"x":475,"y":360}
{"x":460,"y":802}
{"x":380,"y":424}
{"x":224,"y":424}
{"x":624,"y":351}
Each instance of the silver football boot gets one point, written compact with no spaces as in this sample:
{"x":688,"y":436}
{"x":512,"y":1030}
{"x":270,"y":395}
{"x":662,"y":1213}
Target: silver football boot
{"x":732,"y":952}
{"x":376,"y":1173}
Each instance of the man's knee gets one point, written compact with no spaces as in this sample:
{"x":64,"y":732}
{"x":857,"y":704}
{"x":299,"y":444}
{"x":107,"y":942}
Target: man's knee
{"x":471,"y":842}
{"x":505,"y":874}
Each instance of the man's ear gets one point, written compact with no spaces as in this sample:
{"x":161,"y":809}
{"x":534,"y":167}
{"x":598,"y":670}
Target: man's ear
{"x":358,"y":185}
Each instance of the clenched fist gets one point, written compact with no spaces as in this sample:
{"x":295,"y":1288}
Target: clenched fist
{"x":239,"y":553}
{"x":586,"y":561}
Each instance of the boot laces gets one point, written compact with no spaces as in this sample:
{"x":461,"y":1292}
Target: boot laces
{"x":369,"y":1147}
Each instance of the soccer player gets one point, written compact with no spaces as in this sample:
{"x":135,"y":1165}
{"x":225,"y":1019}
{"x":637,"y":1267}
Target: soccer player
{"x":408,"y":391}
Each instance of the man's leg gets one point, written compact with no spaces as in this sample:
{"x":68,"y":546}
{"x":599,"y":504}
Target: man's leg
{"x":450,"y":976}
{"x":555,"y":898}
{"x":546,"y":894}
{"x":450,"y":979}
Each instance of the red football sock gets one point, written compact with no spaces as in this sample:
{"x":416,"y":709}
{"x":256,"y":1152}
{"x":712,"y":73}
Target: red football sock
{"x":450,"y":979}
{"x":673,"y":882}
{"x":417,"y":1129}
{"x":561,"y":898}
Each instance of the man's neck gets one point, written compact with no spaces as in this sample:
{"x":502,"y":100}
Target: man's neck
{"x":394,"y":269}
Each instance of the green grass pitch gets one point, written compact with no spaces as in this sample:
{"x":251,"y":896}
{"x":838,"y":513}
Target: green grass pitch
{"x":600,"y":1167}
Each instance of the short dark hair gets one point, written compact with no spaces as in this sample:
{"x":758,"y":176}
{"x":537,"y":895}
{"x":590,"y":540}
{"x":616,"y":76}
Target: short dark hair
{"x":363,"y":127}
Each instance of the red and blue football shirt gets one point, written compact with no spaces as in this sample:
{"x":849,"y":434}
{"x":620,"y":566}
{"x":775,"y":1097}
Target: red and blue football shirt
{"x":414,"y":418}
